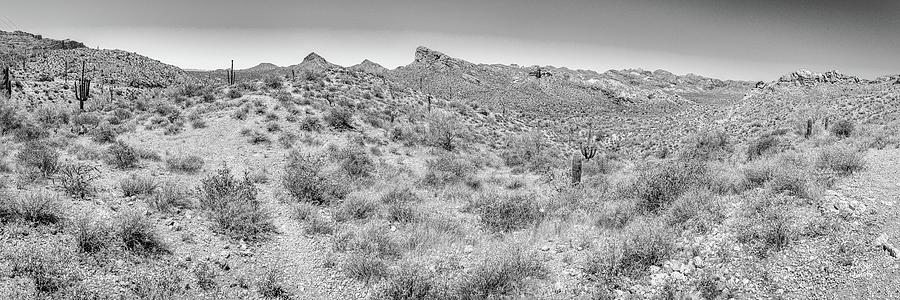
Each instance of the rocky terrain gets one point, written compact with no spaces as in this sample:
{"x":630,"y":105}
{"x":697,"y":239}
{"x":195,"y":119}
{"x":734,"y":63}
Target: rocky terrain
{"x":442,"y":179}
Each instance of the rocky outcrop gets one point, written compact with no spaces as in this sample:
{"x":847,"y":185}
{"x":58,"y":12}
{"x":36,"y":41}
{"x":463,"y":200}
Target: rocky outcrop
{"x":314,"y":62}
{"x":806,"y":77}
{"x":369,"y":67}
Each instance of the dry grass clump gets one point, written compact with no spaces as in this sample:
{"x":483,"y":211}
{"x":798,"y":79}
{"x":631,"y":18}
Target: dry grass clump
{"x":305,"y":180}
{"x":77,"y":179}
{"x":766,"y":222}
{"x":122,"y":156}
{"x":659,"y":184}
{"x":185,"y":163}
{"x":531,"y":151}
{"x":233,"y":206}
{"x":630,"y":252}
{"x":49,"y":266}
{"x":842,"y":128}
{"x":272,"y":285}
{"x":37,"y":207}
{"x":138,"y":234}
{"x":364,"y":267}
{"x":356,"y":208}
{"x":39,"y":155}
{"x":354,"y":160}
{"x":500,"y":273}
{"x":707,"y":146}
{"x":447,"y":168}
{"x":784,"y":173}
{"x":339,"y":118}
{"x":310,"y":123}
{"x":168,"y":196}
{"x":841,"y":159}
{"x":503,"y":212}
{"x":409,"y":282}
{"x":136,"y":185}
{"x":92,"y":235}
{"x":698,"y":209}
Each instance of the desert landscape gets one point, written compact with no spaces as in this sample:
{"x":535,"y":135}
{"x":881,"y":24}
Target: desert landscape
{"x":122,"y":177}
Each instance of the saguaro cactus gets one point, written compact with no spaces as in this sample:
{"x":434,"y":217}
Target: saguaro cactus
{"x":809,"y":128}
{"x":83,"y":90}
{"x":587,"y":150}
{"x":231,"y":73}
{"x":6,"y":83}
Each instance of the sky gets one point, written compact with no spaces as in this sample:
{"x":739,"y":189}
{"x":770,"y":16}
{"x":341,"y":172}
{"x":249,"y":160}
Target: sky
{"x":728,"y":39}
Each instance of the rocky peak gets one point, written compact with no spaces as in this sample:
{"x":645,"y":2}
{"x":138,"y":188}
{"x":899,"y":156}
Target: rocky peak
{"x":425,"y":55}
{"x":313,"y":57}
{"x":806,"y":77}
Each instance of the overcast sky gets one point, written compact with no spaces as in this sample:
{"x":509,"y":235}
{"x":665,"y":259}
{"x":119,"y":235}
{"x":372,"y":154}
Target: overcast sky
{"x":752,"y":40}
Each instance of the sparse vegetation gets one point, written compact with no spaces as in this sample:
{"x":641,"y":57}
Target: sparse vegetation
{"x":185,"y":163}
{"x":233,"y":206}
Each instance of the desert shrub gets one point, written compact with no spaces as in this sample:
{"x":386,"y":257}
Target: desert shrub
{"x":531,"y":150}
{"x":156,"y":284}
{"x":310,"y":123}
{"x":287,"y":139}
{"x":91,"y":235}
{"x":273,"y":82}
{"x":137,"y":233}
{"x":143,"y":153}
{"x":502,"y":212}
{"x":400,"y":195}
{"x":29,"y":131}
{"x":659,"y":184}
{"x":136,"y":185}
{"x":233,"y":206}
{"x":447,"y":168}
{"x":9,"y":119}
{"x":77,"y":179}
{"x":407,"y":133}
{"x":841,"y":159}
{"x":316,"y":224}
{"x":357,"y":208}
{"x":36,"y":207}
{"x":234,"y":94}
{"x":706,"y":145}
{"x":50,"y":267}
{"x":273,"y":127}
{"x":643,"y":243}
{"x":122,"y":156}
{"x":241,"y":112}
{"x":616,"y":214}
{"x":408,"y":282}
{"x":167,"y":196}
{"x":306,"y":182}
{"x":272,"y":285}
{"x":444,"y":130}
{"x":364,"y":267}
{"x":842,"y":128}
{"x":105,"y":133}
{"x":780,"y":174}
{"x":761,"y":145}
{"x":375,"y":239}
{"x":697,"y":209}
{"x":303,"y":211}
{"x":355,"y":161}
{"x":499,"y":273}
{"x":283,"y":96}
{"x":39,"y":155}
{"x":256,"y":137}
{"x":339,"y":118}
{"x":765,"y":222}
{"x":185,"y":163}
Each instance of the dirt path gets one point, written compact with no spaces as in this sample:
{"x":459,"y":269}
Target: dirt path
{"x":820,"y":268}
{"x":876,"y":192}
{"x":301,"y":260}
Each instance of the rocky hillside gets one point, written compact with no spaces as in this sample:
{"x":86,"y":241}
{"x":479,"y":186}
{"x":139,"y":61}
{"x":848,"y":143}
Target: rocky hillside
{"x":50,"y":60}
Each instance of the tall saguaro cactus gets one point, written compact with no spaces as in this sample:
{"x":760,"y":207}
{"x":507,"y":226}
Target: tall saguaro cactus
{"x":587,"y":150}
{"x":6,"y":83}
{"x":83,"y":90}
{"x":231,"y":73}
